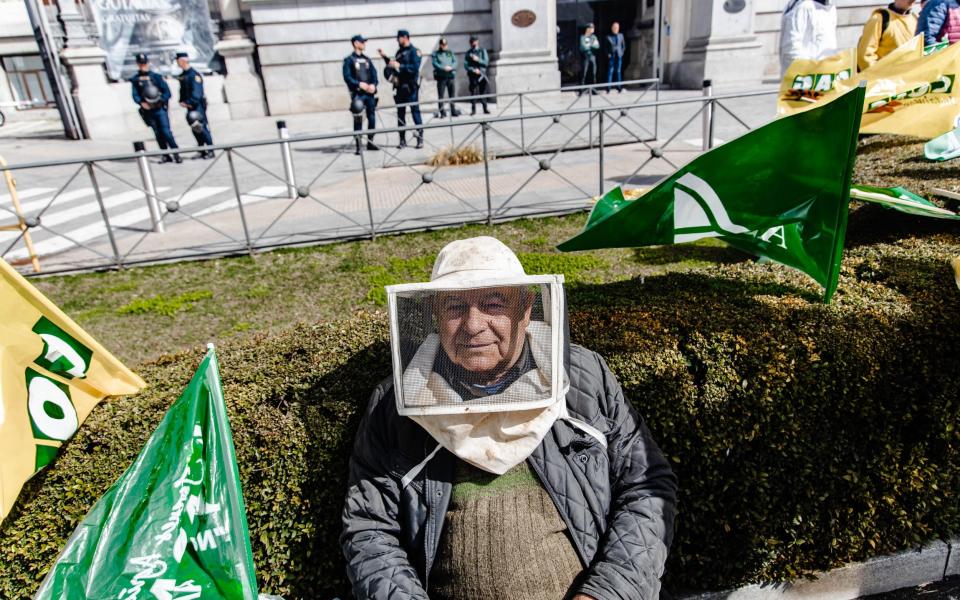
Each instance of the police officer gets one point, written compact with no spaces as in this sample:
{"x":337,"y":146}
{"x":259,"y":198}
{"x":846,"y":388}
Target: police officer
{"x":361,"y":78}
{"x":445,"y":73}
{"x":193,"y":99}
{"x":151,"y":94}
{"x":589,"y":44}
{"x":476,"y":62}
{"x":404,"y":71}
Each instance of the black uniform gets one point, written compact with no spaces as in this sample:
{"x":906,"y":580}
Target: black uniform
{"x":357,"y":69}
{"x":156,"y":116}
{"x":191,"y":94}
{"x":407,"y":79}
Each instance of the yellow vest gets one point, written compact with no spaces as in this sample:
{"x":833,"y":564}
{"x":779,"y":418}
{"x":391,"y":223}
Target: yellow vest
{"x":875,"y":44}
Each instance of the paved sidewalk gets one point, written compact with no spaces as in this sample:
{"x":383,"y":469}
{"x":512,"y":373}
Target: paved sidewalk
{"x":550,"y":166}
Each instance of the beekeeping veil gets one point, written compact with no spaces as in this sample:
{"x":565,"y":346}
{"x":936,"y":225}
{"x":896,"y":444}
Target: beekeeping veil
{"x":478,"y":353}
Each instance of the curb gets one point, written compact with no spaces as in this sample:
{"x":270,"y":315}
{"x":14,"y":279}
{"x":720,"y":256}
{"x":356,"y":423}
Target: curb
{"x":931,"y":563}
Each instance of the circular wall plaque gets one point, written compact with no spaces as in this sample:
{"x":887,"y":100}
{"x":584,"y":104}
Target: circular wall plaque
{"x":734,"y":6}
{"x":523,"y":18}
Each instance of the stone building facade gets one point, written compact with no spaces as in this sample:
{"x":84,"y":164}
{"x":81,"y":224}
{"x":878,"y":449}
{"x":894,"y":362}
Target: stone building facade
{"x":284,"y":56}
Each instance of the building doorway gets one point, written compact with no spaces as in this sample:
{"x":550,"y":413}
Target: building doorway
{"x":573,"y":16}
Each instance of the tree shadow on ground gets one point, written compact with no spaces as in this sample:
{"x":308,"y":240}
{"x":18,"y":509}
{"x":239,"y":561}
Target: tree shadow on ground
{"x":871,"y":224}
{"x":681,"y":253}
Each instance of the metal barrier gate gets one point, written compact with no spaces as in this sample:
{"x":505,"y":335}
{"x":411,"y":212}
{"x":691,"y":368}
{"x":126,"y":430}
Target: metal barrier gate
{"x":122,"y":210}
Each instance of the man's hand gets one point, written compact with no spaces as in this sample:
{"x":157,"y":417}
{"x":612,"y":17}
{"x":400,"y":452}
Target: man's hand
{"x":381,"y":52}
{"x":145,"y":105}
{"x":367,"y":87}
{"x":477,"y":70}
{"x":394,"y":64}
{"x":448,"y":68}
{"x":184,"y":104}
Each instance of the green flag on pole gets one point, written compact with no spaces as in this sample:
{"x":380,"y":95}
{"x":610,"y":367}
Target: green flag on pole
{"x":780,"y":191}
{"x":901,"y":199}
{"x":173,"y":527}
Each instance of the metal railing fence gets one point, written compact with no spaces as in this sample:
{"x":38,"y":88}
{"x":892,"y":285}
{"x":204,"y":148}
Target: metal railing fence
{"x":120,"y":210}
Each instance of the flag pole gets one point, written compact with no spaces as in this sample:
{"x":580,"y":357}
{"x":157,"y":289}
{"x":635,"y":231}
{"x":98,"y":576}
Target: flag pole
{"x":843,"y":208}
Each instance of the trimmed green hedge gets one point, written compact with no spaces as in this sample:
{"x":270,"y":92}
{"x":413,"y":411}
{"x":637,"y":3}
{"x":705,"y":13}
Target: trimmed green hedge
{"x":804,"y":435}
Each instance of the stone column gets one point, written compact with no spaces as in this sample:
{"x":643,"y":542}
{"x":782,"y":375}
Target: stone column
{"x":242,"y":86}
{"x":524,"y":45}
{"x":640,"y":37}
{"x":96,"y":102}
{"x":722,"y":47}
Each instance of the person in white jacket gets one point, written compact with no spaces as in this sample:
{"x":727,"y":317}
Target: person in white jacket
{"x":808,"y":29}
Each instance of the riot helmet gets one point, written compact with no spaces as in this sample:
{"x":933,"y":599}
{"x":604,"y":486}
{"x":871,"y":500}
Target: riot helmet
{"x":195,"y":119}
{"x":151,"y":93}
{"x":356,"y":106}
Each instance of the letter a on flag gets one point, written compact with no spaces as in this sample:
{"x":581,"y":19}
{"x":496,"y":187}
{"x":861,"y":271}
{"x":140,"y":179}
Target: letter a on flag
{"x":780,"y":191}
{"x":52,"y":374}
{"x":173,"y":526}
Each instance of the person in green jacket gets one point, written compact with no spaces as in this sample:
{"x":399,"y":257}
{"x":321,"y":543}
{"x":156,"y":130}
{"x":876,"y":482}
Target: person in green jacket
{"x":475,"y":62}
{"x":589,"y":44}
{"x":445,"y":72}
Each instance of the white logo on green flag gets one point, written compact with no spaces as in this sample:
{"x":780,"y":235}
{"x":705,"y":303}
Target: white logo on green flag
{"x":702,"y":216}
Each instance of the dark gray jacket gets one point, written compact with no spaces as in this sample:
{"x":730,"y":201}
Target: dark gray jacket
{"x":618,"y":502}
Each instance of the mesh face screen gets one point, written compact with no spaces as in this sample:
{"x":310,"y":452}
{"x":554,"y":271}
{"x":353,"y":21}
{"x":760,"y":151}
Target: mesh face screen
{"x":480,"y":349}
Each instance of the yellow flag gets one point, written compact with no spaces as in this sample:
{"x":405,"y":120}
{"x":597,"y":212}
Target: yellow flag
{"x":907,"y":93}
{"x":52,"y":374}
{"x":807,"y":81}
{"x":913,"y":95}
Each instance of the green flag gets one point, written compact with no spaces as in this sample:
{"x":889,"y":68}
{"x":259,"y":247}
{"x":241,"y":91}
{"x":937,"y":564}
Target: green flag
{"x":901,"y":199}
{"x":780,"y":191}
{"x":173,"y":526}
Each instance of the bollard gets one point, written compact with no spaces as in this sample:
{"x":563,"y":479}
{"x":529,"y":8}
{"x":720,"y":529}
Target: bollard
{"x":707,"y":115}
{"x":149,"y":187}
{"x":285,"y":153}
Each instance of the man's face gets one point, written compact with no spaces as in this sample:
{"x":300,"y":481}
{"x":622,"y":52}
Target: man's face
{"x":904,"y":4}
{"x":474,"y":43}
{"x":588,"y":31}
{"x":359,"y":46}
{"x":615,"y":28}
{"x":184,"y":63}
{"x":483,"y":330}
{"x":143,"y":67}
{"x":403,"y":41}
{"x":443,"y":45}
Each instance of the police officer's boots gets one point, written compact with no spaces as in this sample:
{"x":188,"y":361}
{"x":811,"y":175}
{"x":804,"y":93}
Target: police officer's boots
{"x":356,"y":141}
{"x":420,"y":139}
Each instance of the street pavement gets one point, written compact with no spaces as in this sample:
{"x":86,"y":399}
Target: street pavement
{"x":549,"y":165}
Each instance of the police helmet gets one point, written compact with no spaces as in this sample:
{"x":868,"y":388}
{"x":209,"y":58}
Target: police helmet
{"x":142,"y":59}
{"x":195,"y":119}
{"x":356,"y":106}
{"x":151,"y":93}
{"x":358,"y":38}
{"x":403,"y":33}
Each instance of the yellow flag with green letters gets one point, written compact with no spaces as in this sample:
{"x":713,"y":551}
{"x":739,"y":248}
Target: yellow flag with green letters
{"x":52,"y":374}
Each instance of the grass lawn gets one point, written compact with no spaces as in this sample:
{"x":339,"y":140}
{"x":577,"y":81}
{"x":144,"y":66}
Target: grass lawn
{"x":143,"y":313}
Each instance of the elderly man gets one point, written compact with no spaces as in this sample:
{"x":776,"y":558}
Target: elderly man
{"x":501,"y":461}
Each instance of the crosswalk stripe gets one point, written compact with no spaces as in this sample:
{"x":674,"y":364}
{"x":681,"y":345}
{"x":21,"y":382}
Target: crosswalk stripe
{"x":93,"y":208}
{"x":268,"y":192}
{"x":38,"y":205}
{"x":24,"y":194}
{"x":94,"y":230}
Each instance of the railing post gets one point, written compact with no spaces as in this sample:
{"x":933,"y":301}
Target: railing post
{"x":486,"y":172}
{"x":236,"y":190}
{"x":285,"y":153}
{"x":656,"y":110}
{"x":103,"y":213}
{"x":707,"y":115}
{"x":366,"y":191}
{"x":523,"y":143}
{"x":149,"y":187}
{"x":600,"y":141}
{"x":590,"y":115}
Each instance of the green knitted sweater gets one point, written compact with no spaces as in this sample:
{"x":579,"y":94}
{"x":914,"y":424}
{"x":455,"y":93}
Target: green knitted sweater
{"x":502,"y":538}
